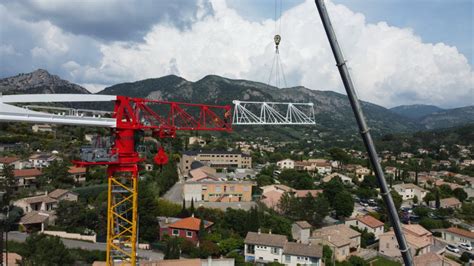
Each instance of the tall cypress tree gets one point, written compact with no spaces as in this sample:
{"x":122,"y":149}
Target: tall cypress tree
{"x":191,"y":209}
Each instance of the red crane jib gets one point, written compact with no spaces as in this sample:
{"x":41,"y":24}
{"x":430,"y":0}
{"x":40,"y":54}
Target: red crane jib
{"x":163,"y":119}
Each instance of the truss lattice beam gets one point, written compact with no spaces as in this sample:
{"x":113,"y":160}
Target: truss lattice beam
{"x":272,"y":113}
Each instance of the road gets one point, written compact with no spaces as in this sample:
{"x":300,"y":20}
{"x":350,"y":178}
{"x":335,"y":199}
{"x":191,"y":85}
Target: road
{"x":175,"y":194}
{"x":149,"y":254}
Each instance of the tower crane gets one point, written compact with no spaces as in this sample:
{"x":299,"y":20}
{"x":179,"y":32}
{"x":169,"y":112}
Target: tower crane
{"x":129,"y":116}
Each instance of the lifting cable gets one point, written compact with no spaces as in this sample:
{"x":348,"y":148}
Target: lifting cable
{"x":277,"y":65}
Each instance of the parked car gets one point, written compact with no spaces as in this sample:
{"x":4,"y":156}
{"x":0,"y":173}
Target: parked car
{"x":465,"y":246}
{"x":452,"y":248}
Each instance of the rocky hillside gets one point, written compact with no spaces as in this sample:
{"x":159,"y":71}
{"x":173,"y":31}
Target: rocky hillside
{"x":39,"y":81}
{"x":416,"y":111}
{"x":449,"y":118}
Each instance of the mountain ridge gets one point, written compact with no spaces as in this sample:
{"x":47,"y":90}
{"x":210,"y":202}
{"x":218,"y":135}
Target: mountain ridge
{"x":38,"y":81}
{"x":332,"y":109}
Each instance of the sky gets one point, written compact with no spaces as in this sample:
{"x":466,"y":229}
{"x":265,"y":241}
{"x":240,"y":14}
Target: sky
{"x":398,"y":51}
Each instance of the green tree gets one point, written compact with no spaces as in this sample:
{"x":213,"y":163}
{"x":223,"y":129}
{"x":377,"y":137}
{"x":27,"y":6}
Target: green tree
{"x":357,"y":261}
{"x":332,"y":188}
{"x":415,"y":199}
{"x":7,"y":183}
{"x":288,"y":205}
{"x":202,"y":230}
{"x":340,"y":155}
{"x":191,"y":209}
{"x":58,"y":173}
{"x":343,"y":204}
{"x":437,"y":199}
{"x":148,"y":210}
{"x":460,"y":194}
{"x":40,"y":249}
{"x":229,"y":244}
{"x":328,"y":255}
{"x":172,"y":249}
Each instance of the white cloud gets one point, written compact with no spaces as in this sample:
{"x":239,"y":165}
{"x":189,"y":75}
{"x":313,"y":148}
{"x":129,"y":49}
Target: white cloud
{"x":390,"y":65}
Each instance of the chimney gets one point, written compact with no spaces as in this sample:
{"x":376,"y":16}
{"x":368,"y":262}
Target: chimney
{"x":270,"y":231}
{"x":166,"y":220}
{"x":209,"y":261}
{"x":259,"y":231}
{"x":192,"y":215}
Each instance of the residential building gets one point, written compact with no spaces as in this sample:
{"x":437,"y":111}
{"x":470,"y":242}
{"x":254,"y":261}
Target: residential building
{"x":197,"y":141}
{"x":184,"y":262}
{"x":296,"y":254}
{"x":204,"y":185}
{"x":321,"y":166}
{"x":456,"y":235}
{"x":271,"y":194}
{"x":301,"y":231}
{"x":37,"y":220}
{"x":342,"y":239}
{"x":78,"y":173}
{"x":362,"y":172}
{"x":452,"y":202}
{"x":186,"y":228}
{"x":42,"y":160}
{"x":216,"y":159}
{"x":15,"y":161}
{"x":408,"y":191}
{"x":345,"y":179}
{"x":391,"y":170}
{"x":406,"y":155}
{"x":286,"y":164}
{"x":419,"y":241}
{"x":266,"y":248}
{"x":26,"y":178}
{"x":368,"y":222}
{"x":440,"y":182}
{"x":46,"y":202}
{"x":212,"y":190}
{"x":42,"y":128}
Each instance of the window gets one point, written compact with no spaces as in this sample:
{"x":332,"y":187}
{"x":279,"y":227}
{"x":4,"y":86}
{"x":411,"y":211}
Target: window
{"x":275,"y":251}
{"x":287,"y":258}
{"x":189,"y":234}
{"x":175,"y":232}
{"x":218,"y":188}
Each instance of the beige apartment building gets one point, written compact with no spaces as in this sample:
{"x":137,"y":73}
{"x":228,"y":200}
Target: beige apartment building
{"x":218,"y":191}
{"x":215,"y":159}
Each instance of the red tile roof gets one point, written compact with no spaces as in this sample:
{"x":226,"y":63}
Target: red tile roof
{"x":8,"y":160}
{"x":76,"y":170}
{"x":190,"y":223}
{"x":26,"y":172}
{"x":370,"y":221}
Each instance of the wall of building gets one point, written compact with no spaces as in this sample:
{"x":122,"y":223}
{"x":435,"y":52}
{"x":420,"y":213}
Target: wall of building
{"x":376,"y":231}
{"x":216,"y":160}
{"x":63,"y":234}
{"x":455,"y":239}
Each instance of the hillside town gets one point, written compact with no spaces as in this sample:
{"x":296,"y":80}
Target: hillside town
{"x":244,"y":205}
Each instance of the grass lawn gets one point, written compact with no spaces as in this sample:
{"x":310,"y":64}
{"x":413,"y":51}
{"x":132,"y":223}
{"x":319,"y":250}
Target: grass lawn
{"x":379,"y":261}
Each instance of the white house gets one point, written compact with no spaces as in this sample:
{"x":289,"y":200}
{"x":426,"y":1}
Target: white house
{"x":266,"y":248}
{"x":409,"y":191}
{"x":41,"y":160}
{"x":286,"y":164}
{"x":368,"y":222}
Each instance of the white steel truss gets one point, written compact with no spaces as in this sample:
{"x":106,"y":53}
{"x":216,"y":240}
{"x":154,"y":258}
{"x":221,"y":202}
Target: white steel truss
{"x":272,"y":113}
